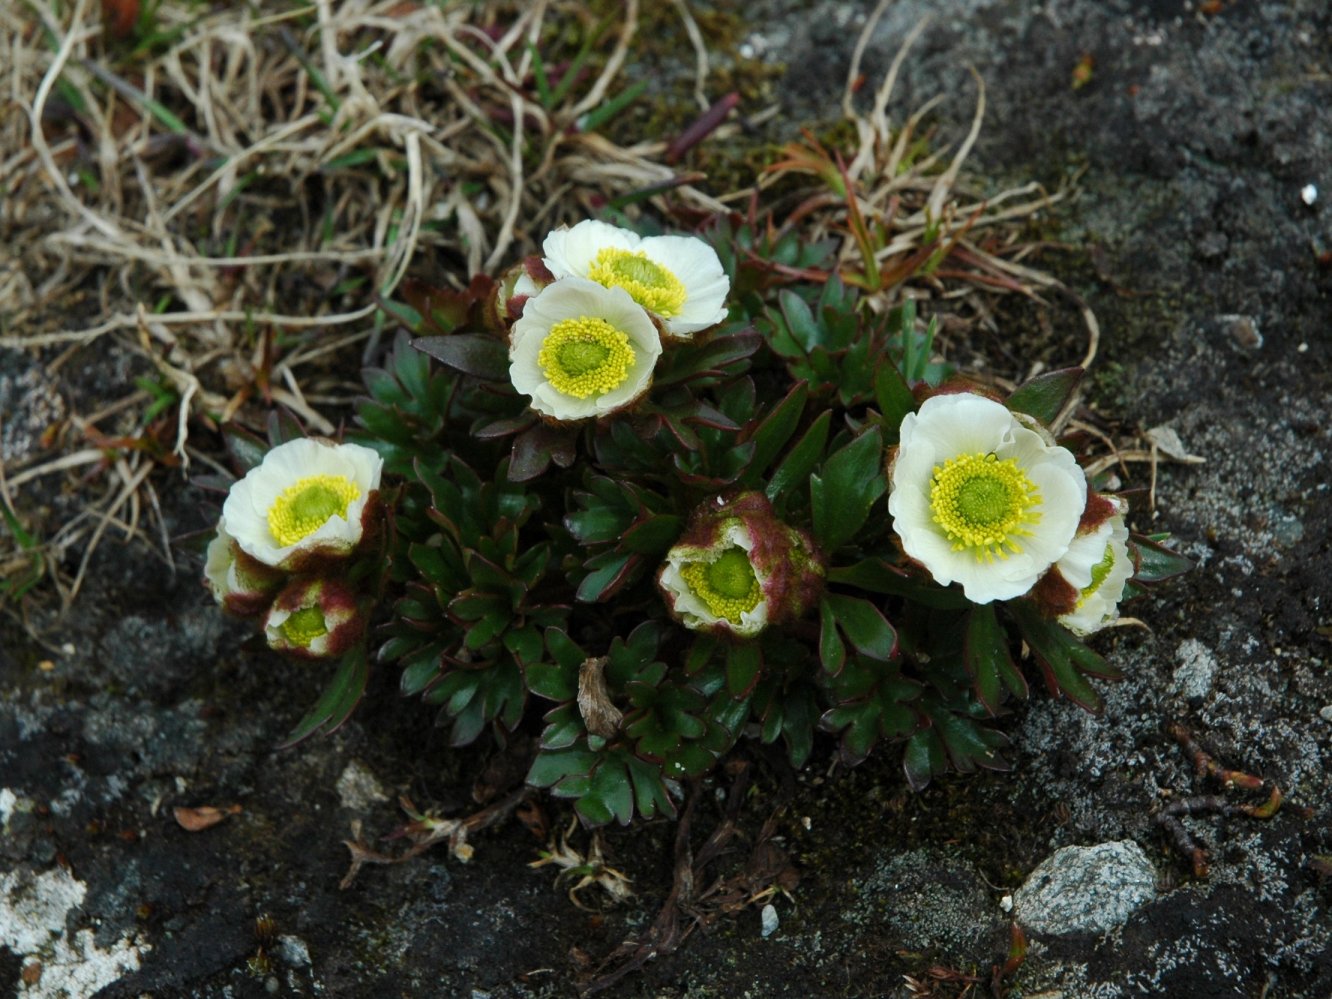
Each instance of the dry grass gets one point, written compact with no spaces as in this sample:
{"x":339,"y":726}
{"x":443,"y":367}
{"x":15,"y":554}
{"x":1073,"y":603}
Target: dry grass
{"x":227,"y":197}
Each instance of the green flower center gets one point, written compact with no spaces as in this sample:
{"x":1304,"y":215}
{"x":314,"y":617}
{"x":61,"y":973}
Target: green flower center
{"x":306,"y":505}
{"x":585,"y":357}
{"x":983,"y":504}
{"x":647,"y":282}
{"x":1099,"y":572}
{"x":304,"y":626}
{"x":727,"y":586}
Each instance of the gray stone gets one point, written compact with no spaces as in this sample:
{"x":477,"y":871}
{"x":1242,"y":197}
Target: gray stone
{"x":1086,"y":889}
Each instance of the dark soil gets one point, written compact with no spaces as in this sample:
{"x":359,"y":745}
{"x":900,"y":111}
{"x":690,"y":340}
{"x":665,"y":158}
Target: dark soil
{"x":1197,"y":133}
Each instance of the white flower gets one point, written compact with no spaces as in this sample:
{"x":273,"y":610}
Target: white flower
{"x":678,"y":278}
{"x":1098,"y":564}
{"x":717,"y":587}
{"x":314,"y":619}
{"x":305,"y":499}
{"x":981,"y":499}
{"x":581,"y":350}
{"x":242,"y":585}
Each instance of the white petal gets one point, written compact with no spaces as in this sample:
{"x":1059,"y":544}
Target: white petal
{"x":1085,"y":551}
{"x":963,"y":423}
{"x":695,"y":265}
{"x":570,"y":252}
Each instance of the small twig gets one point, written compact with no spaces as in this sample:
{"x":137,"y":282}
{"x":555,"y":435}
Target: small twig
{"x":426,"y":833}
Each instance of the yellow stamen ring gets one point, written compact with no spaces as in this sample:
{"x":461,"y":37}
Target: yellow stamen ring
{"x":648,"y":283}
{"x":585,"y":357}
{"x":306,"y":505}
{"x":728,"y":586}
{"x":983,"y":504}
{"x":303,"y":626}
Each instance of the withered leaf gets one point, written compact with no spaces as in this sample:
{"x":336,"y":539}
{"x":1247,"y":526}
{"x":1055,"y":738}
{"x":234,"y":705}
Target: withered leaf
{"x":203,"y":817}
{"x":594,"y":704}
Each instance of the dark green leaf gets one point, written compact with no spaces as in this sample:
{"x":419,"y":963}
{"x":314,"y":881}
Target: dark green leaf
{"x":555,"y":683}
{"x":864,"y":625}
{"x":832,"y":653}
{"x":841,"y":497}
{"x":801,"y":459}
{"x":924,"y":758}
{"x":893,"y":396}
{"x":770,"y":436}
{"x":1062,"y":657}
{"x":419,"y":670}
{"x":987,"y":659}
{"x":650,"y":794}
{"x":477,"y":354}
{"x":1155,"y":563}
{"x":246,"y":449}
{"x":879,"y":576}
{"x":744,"y":663}
{"x":1045,"y":395}
{"x":653,"y":536}
{"x":552,"y":766}
{"x":564,"y":727}
{"x":607,"y":574}
{"x":338,"y":700}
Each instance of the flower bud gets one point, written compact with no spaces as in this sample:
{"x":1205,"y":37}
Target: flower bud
{"x":1083,"y":589}
{"x":516,"y":285}
{"x":314,"y":618}
{"x":243,"y":585}
{"x":738,"y":569}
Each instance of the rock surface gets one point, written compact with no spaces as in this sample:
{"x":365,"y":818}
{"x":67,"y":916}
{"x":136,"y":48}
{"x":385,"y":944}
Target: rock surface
{"x":1198,"y":133}
{"x":1085,"y":889}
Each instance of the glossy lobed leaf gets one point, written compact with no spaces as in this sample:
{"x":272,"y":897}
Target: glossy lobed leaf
{"x":864,"y":625}
{"x":852,"y":479}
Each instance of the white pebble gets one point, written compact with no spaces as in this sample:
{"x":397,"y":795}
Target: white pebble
{"x":769,"y":918}
{"x":1308,"y":194}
